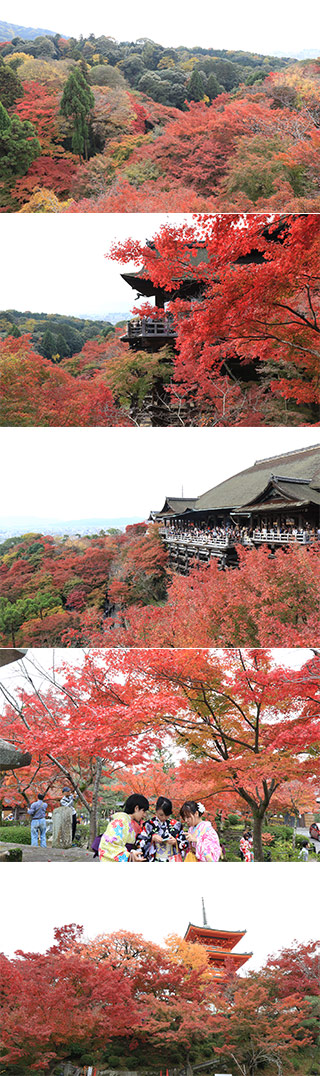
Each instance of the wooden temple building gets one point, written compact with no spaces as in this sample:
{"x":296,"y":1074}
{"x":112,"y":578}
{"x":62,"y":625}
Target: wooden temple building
{"x":150,"y":334}
{"x":219,"y":945}
{"x":276,"y":502}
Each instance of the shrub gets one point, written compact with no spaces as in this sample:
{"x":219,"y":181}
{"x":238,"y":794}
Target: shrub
{"x":14,"y":855}
{"x":82,"y":835}
{"x":15,"y":834}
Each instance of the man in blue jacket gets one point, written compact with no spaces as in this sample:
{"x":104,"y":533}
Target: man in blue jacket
{"x":38,"y":821}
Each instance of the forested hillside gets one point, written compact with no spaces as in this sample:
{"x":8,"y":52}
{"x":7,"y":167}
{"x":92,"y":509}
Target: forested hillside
{"x":160,"y":130}
{"x":54,"y":336}
{"x":47,"y":583}
{"x":116,"y":590}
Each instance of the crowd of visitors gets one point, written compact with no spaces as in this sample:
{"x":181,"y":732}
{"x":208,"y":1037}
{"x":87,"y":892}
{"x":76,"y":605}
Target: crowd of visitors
{"x":232,"y":534}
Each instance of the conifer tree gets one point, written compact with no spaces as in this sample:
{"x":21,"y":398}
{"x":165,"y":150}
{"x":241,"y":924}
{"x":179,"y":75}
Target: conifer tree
{"x":76,"y":104}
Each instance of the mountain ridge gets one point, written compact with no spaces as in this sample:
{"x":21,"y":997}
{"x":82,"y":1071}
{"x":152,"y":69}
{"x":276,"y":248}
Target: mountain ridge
{"x":28,"y":33}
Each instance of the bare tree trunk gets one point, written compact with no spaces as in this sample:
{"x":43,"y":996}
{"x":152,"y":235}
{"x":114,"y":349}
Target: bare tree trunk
{"x":294,"y":833}
{"x":95,"y":802}
{"x":257,"y":836}
{"x":189,"y":1069}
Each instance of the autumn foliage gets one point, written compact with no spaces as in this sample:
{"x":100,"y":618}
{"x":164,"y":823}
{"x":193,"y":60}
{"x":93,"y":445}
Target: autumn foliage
{"x":147,"y":1004}
{"x":47,"y":584}
{"x":248,"y":351}
{"x":245,"y":352}
{"x":251,"y":149}
{"x":267,"y":601}
{"x":160,"y":140}
{"x":37,"y":392}
{"x":247,"y":730}
{"x":56,"y":592}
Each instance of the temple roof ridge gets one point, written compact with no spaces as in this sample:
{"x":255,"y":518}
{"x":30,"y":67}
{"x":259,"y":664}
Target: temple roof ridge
{"x":283,"y":455}
{"x":215,"y":930}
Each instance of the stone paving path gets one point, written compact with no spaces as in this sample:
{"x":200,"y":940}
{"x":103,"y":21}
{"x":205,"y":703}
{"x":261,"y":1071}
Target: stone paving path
{"x":51,"y":855}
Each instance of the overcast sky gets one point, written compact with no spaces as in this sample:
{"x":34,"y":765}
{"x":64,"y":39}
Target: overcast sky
{"x":266,"y":900}
{"x":211,"y":24}
{"x":66,"y":474}
{"x":57,"y":265}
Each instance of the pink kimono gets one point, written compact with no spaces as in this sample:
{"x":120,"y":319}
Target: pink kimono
{"x":207,"y":846}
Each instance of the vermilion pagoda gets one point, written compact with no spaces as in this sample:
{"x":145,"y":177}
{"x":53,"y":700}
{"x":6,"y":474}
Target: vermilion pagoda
{"x":219,"y":945}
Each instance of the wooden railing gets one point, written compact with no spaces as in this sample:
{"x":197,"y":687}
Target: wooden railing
{"x":276,"y":537}
{"x":258,"y":537}
{"x":151,"y":327}
{"x":198,"y":544}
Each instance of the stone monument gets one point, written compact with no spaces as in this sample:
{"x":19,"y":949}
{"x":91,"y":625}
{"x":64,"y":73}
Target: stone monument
{"x":62,"y":827}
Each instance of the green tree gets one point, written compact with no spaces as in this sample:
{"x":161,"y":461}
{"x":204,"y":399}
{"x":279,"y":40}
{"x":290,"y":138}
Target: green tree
{"x":76,"y":105}
{"x":195,"y":89}
{"x":14,"y":331}
{"x":19,"y":147}
{"x":133,"y":68}
{"x":213,"y":87}
{"x":10,"y":86}
{"x":48,"y":347}
{"x":63,"y":349}
{"x":4,"y":120}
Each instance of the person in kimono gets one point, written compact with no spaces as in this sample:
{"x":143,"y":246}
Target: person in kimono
{"x":162,"y":839}
{"x":117,"y":844}
{"x":246,"y":847}
{"x":203,"y":840}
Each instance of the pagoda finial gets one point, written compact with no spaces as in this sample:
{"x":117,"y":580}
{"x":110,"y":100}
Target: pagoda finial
{"x":205,"y":922}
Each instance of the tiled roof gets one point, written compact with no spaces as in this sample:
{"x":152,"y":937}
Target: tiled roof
{"x":244,"y":487}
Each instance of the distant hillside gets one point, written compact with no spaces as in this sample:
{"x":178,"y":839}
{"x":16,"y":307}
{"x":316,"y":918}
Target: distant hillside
{"x":67,"y":334}
{"x":17,"y":525}
{"x":8,"y":30}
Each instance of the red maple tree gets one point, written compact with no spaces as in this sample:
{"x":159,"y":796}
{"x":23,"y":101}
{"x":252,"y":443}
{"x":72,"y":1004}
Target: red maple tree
{"x":248,"y":728}
{"x":162,"y":1001}
{"x":258,"y":318}
{"x":36,"y":391}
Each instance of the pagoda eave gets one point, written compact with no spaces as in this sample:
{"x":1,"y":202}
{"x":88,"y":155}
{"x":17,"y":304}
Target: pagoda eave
{"x":221,"y":958}
{"x":220,"y":939}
